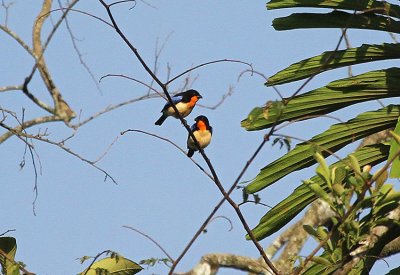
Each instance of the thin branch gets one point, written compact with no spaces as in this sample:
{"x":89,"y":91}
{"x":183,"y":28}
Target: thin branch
{"x":206,"y":64}
{"x":37,"y":101}
{"x":6,"y":8}
{"x":109,"y":109}
{"x":225,"y":218}
{"x":78,"y":52}
{"x":19,"y":133}
{"x":151,"y":239}
{"x":7,"y":231}
{"x":11,"y":88}
{"x":207,"y":160}
{"x":105,"y":152}
{"x":84,"y":13}
{"x":348,"y":46}
{"x":157,"y":53}
{"x":122,"y":2}
{"x":266,"y":138}
{"x":18,"y":130}
{"x":264,"y":77}
{"x":18,"y":40}
{"x":221,"y":101}
{"x":173,"y":144}
{"x":95,"y":258}
{"x":216,"y":208}
{"x":133,"y":79}
{"x":255,"y":202}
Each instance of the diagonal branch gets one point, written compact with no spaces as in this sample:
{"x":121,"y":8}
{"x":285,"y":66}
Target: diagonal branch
{"x":207,"y":160}
{"x":61,"y":108}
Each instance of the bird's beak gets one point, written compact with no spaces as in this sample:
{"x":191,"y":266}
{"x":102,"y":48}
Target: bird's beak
{"x":199,"y":96}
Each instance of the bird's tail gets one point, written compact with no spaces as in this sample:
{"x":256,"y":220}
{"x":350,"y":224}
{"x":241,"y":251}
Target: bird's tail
{"x":161,"y":120}
{"x":190,"y":153}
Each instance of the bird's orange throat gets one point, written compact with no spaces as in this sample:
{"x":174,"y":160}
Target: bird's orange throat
{"x":201,"y":125}
{"x":193,"y":101}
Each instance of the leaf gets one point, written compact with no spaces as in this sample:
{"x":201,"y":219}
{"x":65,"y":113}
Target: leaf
{"x":336,"y":19}
{"x":394,"y":271}
{"x":380,"y":7}
{"x":9,"y":246}
{"x":323,"y":169}
{"x":116,"y":266}
{"x":310,"y":230}
{"x":381,"y":179}
{"x":302,"y":196}
{"x":394,"y":153}
{"x":321,"y":261}
{"x":334,"y":59}
{"x":355,"y":165}
{"x":334,"y":96}
{"x":330,"y":141}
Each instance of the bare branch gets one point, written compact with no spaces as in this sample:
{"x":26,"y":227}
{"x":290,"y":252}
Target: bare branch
{"x":82,"y":12}
{"x":78,"y":52}
{"x":18,"y":132}
{"x":173,"y":144}
{"x":133,"y":79}
{"x":225,"y":218}
{"x":111,"y":108}
{"x":7,"y":231}
{"x":206,"y":64}
{"x":11,"y":88}
{"x":222,"y":100}
{"x":6,"y":8}
{"x":263,"y":76}
{"x":95,"y":258}
{"x":210,"y":264}
{"x":151,"y":239}
{"x":206,"y":159}
{"x":105,"y":152}
{"x":18,"y":39}
{"x":61,"y":107}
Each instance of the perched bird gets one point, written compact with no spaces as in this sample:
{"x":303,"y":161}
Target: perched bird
{"x":184,"y":102}
{"x":202,"y":132}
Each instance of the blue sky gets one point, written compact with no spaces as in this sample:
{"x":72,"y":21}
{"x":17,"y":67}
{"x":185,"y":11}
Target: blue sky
{"x":159,"y":191}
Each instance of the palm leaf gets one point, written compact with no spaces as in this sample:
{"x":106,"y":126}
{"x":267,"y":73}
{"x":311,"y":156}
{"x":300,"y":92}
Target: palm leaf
{"x":335,"y":138}
{"x":334,"y":59}
{"x":302,"y":196}
{"x":380,"y":7}
{"x":336,"y":95}
{"x":336,"y":19}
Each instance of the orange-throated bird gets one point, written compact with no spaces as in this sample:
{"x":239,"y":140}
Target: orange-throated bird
{"x":184,"y":102}
{"x":202,"y":132}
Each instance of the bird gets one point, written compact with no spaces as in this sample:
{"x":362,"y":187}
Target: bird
{"x":202,"y":132}
{"x":184,"y":102}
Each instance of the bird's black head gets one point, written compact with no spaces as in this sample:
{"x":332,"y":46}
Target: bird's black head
{"x":192,"y":92}
{"x":202,"y":118}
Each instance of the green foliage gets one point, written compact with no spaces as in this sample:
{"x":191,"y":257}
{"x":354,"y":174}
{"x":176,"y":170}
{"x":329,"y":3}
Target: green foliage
{"x":351,"y":228}
{"x":154,"y":261}
{"x":395,"y":152}
{"x":328,"y":142}
{"x":115,"y":264}
{"x":334,"y":96}
{"x":302,"y":196}
{"x":8,"y":246}
{"x":359,"y":199}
